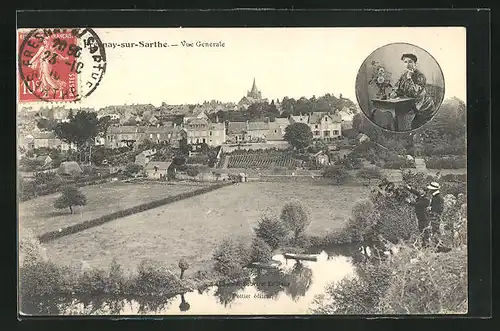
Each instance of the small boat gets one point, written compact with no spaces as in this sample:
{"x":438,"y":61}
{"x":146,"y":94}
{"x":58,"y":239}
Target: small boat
{"x":305,"y":257}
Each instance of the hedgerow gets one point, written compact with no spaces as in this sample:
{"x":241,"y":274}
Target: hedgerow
{"x":126,"y":212}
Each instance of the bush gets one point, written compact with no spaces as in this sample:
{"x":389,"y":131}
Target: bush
{"x":338,"y":173}
{"x":336,"y":237}
{"x":356,"y":295}
{"x":369,"y":174}
{"x":261,"y":251}
{"x":424,"y":282}
{"x":273,"y":231}
{"x":395,"y":219}
{"x":192,"y":171}
{"x":30,"y":249}
{"x":414,"y":281}
{"x":461,"y":178}
{"x":446,"y":162}
{"x":198,"y":159}
{"x":453,"y":188}
{"x":132,"y":169}
{"x":154,"y":279}
{"x":301,"y":241}
{"x":47,"y":179}
{"x":352,"y":161}
{"x":360,"y":225}
{"x":92,"y":283}
{"x":230,"y":257}
{"x":28,"y":164}
{"x":398,"y":162}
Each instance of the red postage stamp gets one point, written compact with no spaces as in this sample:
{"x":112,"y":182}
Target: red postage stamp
{"x":59,"y":65}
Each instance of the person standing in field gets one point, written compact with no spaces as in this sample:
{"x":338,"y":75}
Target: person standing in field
{"x":436,"y":210}
{"x":421,"y":203}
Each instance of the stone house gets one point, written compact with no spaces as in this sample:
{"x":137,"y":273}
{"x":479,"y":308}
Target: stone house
{"x":201,"y":130}
{"x":236,"y":131}
{"x":323,"y":125}
{"x":49,"y":140}
{"x":157,"y":170}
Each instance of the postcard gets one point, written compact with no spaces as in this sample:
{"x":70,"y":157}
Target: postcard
{"x":242,"y":171}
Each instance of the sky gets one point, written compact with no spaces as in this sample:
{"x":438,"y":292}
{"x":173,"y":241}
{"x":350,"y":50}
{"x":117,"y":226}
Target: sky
{"x":292,"y":62}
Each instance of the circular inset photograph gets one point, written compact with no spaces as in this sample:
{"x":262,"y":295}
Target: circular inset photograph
{"x":400,"y":87}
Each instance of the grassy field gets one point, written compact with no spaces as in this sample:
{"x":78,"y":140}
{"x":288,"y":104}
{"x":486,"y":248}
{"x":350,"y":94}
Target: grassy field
{"x":40,"y":215}
{"x":193,"y":227}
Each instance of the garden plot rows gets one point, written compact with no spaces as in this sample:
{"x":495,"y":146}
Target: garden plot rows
{"x":262,"y":161}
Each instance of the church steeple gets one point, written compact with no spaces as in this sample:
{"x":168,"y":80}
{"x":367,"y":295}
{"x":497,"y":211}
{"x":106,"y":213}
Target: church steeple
{"x":254,"y":87}
{"x":254,"y":92}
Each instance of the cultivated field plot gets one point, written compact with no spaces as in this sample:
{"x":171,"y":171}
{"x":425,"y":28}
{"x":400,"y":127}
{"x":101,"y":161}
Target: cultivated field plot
{"x":262,"y":160}
{"x":193,"y":227}
{"x":40,"y":216}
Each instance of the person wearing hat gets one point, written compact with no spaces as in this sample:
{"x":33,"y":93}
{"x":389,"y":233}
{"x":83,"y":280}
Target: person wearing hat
{"x":412,"y":84}
{"x":436,"y":209}
{"x":421,"y":203}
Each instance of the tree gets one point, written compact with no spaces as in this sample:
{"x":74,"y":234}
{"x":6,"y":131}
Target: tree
{"x":299,"y":135}
{"x":103,"y":125}
{"x":146,"y":144}
{"x":184,"y":146}
{"x":30,"y":164}
{"x":130,"y":122}
{"x":132,"y":169}
{"x":46,"y":178}
{"x":81,"y":129}
{"x":46,"y":124}
{"x":183,"y":265}
{"x":295,"y":217}
{"x":339,"y":173}
{"x":356,"y":122}
{"x":70,"y":197}
{"x":370,"y":173}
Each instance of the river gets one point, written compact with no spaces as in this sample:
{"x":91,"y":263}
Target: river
{"x":289,"y":289}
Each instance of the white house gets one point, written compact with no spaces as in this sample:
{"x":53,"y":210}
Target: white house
{"x":323,"y":125}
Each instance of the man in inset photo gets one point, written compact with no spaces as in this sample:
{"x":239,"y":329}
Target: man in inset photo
{"x":412,"y":84}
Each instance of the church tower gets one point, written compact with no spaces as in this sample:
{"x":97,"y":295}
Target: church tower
{"x":254,"y":92}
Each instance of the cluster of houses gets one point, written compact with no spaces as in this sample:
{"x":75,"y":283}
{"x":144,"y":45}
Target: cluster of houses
{"x":199,"y":129}
{"x":195,"y":127}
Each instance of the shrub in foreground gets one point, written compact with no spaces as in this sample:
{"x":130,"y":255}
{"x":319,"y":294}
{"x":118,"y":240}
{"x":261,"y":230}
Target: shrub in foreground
{"x":154,"y":279}
{"x":357,"y":294}
{"x":230,"y":257}
{"x":272,"y":230}
{"x":424,"y":282}
{"x":261,"y":251}
{"x":415,"y":281}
